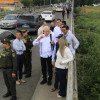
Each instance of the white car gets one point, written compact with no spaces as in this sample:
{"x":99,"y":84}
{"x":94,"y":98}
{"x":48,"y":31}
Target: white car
{"x":48,"y":15}
{"x":9,"y":21}
{"x":59,"y":8}
{"x":95,"y":5}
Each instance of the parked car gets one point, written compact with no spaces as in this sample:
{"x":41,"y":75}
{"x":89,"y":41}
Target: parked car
{"x":5,"y":34}
{"x":94,"y":5}
{"x":59,"y":8}
{"x":30,"y":22}
{"x":9,"y":21}
{"x":48,"y":15}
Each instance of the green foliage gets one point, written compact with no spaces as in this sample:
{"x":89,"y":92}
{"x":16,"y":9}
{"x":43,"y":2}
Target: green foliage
{"x":87,"y":27}
{"x":77,"y":10}
{"x":27,"y":3}
{"x":85,"y":2}
{"x":1,"y":9}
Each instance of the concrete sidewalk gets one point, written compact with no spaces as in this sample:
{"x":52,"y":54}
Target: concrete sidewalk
{"x":43,"y":92}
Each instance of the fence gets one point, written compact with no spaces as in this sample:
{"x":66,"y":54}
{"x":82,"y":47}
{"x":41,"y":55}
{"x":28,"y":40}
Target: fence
{"x":21,"y":10}
{"x":72,"y":91}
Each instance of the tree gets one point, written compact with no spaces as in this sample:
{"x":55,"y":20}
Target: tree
{"x":85,"y":2}
{"x":27,"y":3}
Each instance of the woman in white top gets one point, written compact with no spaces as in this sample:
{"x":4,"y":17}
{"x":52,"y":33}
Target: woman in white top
{"x":64,"y":56}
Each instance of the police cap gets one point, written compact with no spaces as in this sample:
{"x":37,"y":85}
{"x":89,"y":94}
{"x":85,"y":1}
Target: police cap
{"x":5,"y":41}
{"x":23,"y":30}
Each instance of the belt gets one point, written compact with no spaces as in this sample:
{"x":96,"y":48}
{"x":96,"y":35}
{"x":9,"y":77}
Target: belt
{"x":7,"y":68}
{"x":19,"y":54}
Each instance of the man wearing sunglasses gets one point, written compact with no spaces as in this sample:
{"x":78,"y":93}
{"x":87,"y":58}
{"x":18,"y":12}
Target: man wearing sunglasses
{"x":70,"y":37}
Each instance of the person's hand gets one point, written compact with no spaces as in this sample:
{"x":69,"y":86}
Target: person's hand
{"x":42,"y":36}
{"x":74,"y":49}
{"x":52,"y":42}
{"x":13,"y":75}
{"x":60,"y":63}
{"x":53,"y":64}
{"x":25,"y":41}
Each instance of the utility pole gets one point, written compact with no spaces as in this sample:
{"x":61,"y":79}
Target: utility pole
{"x":44,"y":2}
{"x":50,"y":2}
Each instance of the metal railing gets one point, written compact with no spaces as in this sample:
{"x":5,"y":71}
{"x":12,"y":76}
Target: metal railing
{"x":72,"y":91}
{"x":22,"y":10}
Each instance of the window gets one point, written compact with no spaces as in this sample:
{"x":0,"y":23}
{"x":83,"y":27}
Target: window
{"x":46,"y":13}
{"x":10,"y":17}
{"x":28,"y":18}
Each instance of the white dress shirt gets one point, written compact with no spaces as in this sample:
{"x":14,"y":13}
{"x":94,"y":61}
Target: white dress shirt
{"x":72,"y":39}
{"x":69,"y":31}
{"x":40,"y":30}
{"x":19,"y":46}
{"x":45,"y":46}
{"x":65,"y":60}
{"x":57,"y":31}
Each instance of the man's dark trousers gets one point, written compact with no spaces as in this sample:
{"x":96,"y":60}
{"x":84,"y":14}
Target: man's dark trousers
{"x":27,"y":63}
{"x":20,"y":59}
{"x":46,"y":65}
{"x":9,"y":81}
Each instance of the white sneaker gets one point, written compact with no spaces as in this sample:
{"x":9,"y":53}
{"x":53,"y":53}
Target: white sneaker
{"x":17,"y":82}
{"x":22,"y":81}
{"x":58,"y":95}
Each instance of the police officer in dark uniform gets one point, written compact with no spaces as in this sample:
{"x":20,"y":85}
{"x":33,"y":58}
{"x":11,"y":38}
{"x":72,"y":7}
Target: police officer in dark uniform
{"x":9,"y":66}
{"x":27,"y":54}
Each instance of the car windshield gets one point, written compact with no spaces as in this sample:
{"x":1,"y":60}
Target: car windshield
{"x":10,"y":17}
{"x":59,"y":6}
{"x":29,"y":18}
{"x":46,"y":13}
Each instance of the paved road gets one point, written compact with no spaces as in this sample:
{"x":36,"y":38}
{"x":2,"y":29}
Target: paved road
{"x":25,"y":91}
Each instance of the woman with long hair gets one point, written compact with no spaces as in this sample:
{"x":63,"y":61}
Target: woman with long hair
{"x":64,"y":56}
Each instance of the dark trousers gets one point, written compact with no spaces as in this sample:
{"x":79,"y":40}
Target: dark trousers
{"x":56,"y":80}
{"x":67,"y":15}
{"x":20,"y":66}
{"x":63,"y":16}
{"x":61,"y":75}
{"x":9,"y":81}
{"x":27,"y":63}
{"x":46,"y":65}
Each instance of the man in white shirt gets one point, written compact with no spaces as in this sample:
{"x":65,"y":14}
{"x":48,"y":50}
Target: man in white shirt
{"x":57,"y":29}
{"x":70,"y":37}
{"x":19,"y":47}
{"x":45,"y":43}
{"x":40,"y":30}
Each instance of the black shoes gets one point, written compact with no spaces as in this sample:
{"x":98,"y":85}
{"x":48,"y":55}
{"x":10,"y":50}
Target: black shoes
{"x":49,"y":82}
{"x":24,"y":73}
{"x":43,"y":82}
{"x":27,"y":76}
{"x":13,"y":98}
{"x":7,"y":95}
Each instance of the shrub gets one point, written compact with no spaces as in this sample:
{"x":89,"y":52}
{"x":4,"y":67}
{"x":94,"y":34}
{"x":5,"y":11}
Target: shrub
{"x":88,"y":58}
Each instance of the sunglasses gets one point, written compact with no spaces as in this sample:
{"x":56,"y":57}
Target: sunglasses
{"x":63,"y":30}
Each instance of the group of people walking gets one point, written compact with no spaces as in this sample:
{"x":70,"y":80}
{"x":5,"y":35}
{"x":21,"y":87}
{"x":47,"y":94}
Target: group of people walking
{"x":67,"y":9}
{"x":56,"y":50}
